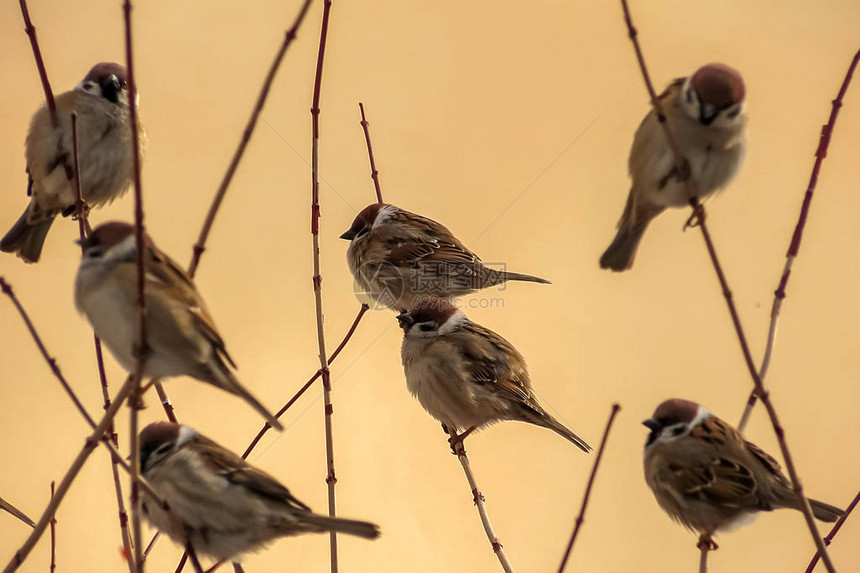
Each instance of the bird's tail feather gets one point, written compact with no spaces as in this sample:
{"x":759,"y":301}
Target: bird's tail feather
{"x":824,"y":511}
{"x":340,"y":525}
{"x":26,"y":238}
{"x":509,"y":276}
{"x":548,"y":421}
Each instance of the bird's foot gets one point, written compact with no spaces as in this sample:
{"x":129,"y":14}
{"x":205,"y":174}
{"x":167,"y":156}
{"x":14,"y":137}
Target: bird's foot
{"x":707,"y":543}
{"x":456,"y":440}
{"x":698,"y":216}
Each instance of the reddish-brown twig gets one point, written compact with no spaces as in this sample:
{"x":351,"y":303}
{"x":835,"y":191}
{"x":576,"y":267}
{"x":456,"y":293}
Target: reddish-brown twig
{"x":63,"y":488}
{"x":705,"y":544}
{"x":307,"y":384}
{"x":480,"y":502}
{"x":836,"y":527}
{"x":374,"y":173}
{"x":30,"y":29}
{"x":699,"y":216}
{"x":200,"y":245}
{"x":53,"y":535}
{"x":331,"y":478}
{"x":581,"y":517}
{"x":140,"y":350}
{"x":797,"y":236}
{"x":6,"y":288}
{"x":82,"y":231}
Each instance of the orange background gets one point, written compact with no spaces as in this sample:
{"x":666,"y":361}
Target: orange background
{"x":510,"y":123}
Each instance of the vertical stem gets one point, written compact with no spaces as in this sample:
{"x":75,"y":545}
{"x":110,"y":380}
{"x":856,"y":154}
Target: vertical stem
{"x":480,"y":503}
{"x":140,"y":349}
{"x":53,"y":535}
{"x":704,"y":547}
{"x":331,"y":478}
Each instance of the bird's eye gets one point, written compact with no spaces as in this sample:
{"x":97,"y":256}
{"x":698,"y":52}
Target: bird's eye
{"x":426,"y":327}
{"x":95,"y":252}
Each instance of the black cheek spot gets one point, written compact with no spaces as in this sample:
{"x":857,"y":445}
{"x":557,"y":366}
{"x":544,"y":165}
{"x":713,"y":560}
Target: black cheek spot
{"x":678,"y":431}
{"x":733,"y":114}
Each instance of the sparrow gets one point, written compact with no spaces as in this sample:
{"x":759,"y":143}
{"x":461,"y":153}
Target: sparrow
{"x":218,"y":502}
{"x":467,"y":376}
{"x":708,"y":478}
{"x":105,"y":156}
{"x":181,"y":337}
{"x":706,"y":115}
{"x":399,"y":258}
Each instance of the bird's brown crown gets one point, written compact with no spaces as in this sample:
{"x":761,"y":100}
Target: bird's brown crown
{"x":718,"y":84}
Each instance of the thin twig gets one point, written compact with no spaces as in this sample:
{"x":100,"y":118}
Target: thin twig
{"x":6,"y":288}
{"x":331,"y":478}
{"x":699,"y":215}
{"x":140,"y":349}
{"x":30,"y":29}
{"x":82,"y":231}
{"x":53,"y":535}
{"x":480,"y":503}
{"x":581,"y":517}
{"x":797,"y":236}
{"x":303,"y":389}
{"x":374,"y":173}
{"x":704,"y":546}
{"x":836,"y":527}
{"x":200,"y":245}
{"x":89,"y":445}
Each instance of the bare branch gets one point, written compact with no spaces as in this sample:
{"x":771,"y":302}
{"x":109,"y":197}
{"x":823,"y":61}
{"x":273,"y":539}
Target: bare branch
{"x":581,"y":517}
{"x":480,"y":502}
{"x":53,"y":535}
{"x":30,"y":29}
{"x":331,"y":478}
{"x":699,"y":217}
{"x":200,"y":245}
{"x":836,"y":527}
{"x":374,"y":173}
{"x":794,"y":247}
{"x":307,"y":384}
{"x":63,"y":488}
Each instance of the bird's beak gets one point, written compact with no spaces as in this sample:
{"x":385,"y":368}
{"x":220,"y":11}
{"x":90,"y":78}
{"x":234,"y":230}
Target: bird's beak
{"x":349,"y":235}
{"x":651,"y":424}
{"x":405,"y":319}
{"x":86,"y":242}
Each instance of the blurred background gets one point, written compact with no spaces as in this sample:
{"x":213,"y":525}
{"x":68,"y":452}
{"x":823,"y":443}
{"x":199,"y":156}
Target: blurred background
{"x":510,"y":123}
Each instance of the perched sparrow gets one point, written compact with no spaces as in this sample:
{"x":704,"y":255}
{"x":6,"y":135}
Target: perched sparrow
{"x":706,"y":116}
{"x":707,"y":477}
{"x":398,"y":257}
{"x":181,"y":337}
{"x":467,"y":376}
{"x":219,"y":503}
{"x":104,"y":156}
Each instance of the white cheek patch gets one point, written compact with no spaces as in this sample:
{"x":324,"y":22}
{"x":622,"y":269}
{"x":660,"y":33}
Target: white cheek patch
{"x":185,"y":434}
{"x":384,"y":214}
{"x":89,"y":87}
{"x":453,"y":324}
{"x":122,"y":249}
